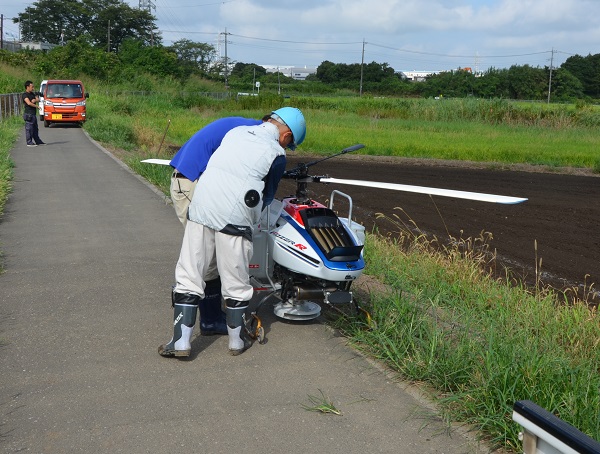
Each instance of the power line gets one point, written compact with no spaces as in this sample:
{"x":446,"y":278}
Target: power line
{"x":433,"y":54}
{"x":185,"y":32}
{"x":205,"y":4}
{"x":294,"y":42}
{"x":457,"y":56}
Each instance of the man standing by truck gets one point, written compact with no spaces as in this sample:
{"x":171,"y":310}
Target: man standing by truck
{"x":30,"y":116}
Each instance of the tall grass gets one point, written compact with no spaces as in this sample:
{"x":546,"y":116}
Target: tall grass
{"x":10,"y":129}
{"x":482,"y":343}
{"x":452,"y":129}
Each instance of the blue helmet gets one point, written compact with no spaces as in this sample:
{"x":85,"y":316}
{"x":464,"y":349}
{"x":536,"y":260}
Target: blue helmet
{"x":294,"y":120}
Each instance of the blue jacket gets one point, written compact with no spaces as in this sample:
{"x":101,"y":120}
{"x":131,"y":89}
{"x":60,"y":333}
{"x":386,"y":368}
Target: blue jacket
{"x":193,"y":156}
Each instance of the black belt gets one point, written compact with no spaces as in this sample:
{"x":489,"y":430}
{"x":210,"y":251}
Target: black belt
{"x":179,"y":175}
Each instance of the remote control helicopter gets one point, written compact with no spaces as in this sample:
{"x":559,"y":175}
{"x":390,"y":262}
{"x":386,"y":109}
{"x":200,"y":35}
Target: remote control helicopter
{"x":306,"y":255}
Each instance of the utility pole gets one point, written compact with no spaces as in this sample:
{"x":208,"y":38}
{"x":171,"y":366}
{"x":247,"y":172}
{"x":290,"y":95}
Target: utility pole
{"x":226,"y":60}
{"x":1,"y":31}
{"x":550,"y":79}
{"x":108,"y":39}
{"x":362,"y":64}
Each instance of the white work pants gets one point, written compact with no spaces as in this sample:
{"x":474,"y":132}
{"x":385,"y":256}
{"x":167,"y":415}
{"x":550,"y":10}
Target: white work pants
{"x":196,"y":265}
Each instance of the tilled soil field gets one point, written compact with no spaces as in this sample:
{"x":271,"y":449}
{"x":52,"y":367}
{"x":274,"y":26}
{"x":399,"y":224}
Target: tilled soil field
{"x":562,"y":214}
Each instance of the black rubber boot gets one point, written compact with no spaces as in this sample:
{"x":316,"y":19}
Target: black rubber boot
{"x":184,"y":319}
{"x":239,"y":341}
{"x":212,"y":318}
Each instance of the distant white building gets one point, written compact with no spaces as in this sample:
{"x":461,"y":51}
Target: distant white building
{"x":294,"y":72}
{"x":37,"y":45}
{"x":418,"y":76}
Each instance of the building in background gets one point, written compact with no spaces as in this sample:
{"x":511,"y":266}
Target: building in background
{"x":293,"y":72}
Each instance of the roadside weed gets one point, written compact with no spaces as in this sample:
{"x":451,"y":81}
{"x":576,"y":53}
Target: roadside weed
{"x":321,"y":404}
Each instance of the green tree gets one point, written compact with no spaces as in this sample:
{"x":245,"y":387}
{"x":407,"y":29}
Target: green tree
{"x":376,"y":72}
{"x":120,"y":22}
{"x":47,"y":21}
{"x":195,"y":57}
{"x":60,"y":22}
{"x":455,"y":84}
{"x":565,"y":86}
{"x":493,"y":83}
{"x":247,"y":72}
{"x":77,"y":57}
{"x":527,"y":82}
{"x":587,"y":70}
{"x":326,"y":72}
{"x":136,"y":58}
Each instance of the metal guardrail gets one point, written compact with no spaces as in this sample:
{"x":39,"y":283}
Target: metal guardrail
{"x":10,"y":104}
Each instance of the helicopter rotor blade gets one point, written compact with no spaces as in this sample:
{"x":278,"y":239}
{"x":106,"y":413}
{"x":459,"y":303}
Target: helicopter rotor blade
{"x":478,"y":196}
{"x":162,"y":162}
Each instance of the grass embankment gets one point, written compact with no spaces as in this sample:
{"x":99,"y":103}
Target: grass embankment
{"x":9,"y":131}
{"x":481,"y":343}
{"x":11,"y":79}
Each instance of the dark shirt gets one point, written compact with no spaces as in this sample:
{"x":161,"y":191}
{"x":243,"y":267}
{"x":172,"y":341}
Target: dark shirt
{"x":272,"y":179}
{"x":28,"y":109}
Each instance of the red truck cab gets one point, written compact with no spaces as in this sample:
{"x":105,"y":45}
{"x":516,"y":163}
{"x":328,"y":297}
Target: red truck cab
{"x":64,"y":101}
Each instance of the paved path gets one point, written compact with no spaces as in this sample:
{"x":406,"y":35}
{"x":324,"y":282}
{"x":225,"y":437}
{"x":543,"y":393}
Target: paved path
{"x":89,"y":254}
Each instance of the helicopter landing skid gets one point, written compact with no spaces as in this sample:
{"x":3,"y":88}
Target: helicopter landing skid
{"x":297,"y":310}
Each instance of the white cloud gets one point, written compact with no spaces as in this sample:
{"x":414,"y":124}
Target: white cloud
{"x":448,"y":33}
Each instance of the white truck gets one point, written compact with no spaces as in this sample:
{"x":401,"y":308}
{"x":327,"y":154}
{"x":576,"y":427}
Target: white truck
{"x":41,"y":104}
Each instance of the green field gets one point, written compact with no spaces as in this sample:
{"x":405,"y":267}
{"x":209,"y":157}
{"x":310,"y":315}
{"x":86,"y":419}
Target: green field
{"x":478,"y":342}
{"x":494,"y":132}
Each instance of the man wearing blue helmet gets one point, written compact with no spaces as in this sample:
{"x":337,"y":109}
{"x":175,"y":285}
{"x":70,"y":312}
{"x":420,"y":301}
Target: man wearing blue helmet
{"x":240,"y":179}
{"x":191,"y":160}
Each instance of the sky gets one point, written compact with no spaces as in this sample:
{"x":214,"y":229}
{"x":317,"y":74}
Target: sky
{"x":408,"y":35}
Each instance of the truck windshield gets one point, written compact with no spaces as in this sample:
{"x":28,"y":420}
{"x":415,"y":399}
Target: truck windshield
{"x":64,"y":91}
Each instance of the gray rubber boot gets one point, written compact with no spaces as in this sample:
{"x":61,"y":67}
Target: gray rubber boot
{"x":239,"y":341}
{"x":212,"y":318}
{"x":184,"y":319}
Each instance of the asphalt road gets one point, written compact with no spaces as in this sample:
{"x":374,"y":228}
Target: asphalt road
{"x":89,"y":252}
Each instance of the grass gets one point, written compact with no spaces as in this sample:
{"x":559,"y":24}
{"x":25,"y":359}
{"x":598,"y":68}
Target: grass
{"x":10,"y":129}
{"x":482,"y":343}
{"x":322,"y":404}
{"x":386,"y":127}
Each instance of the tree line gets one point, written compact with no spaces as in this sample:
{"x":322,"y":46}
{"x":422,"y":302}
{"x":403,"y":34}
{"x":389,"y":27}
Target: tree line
{"x":111,"y":41}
